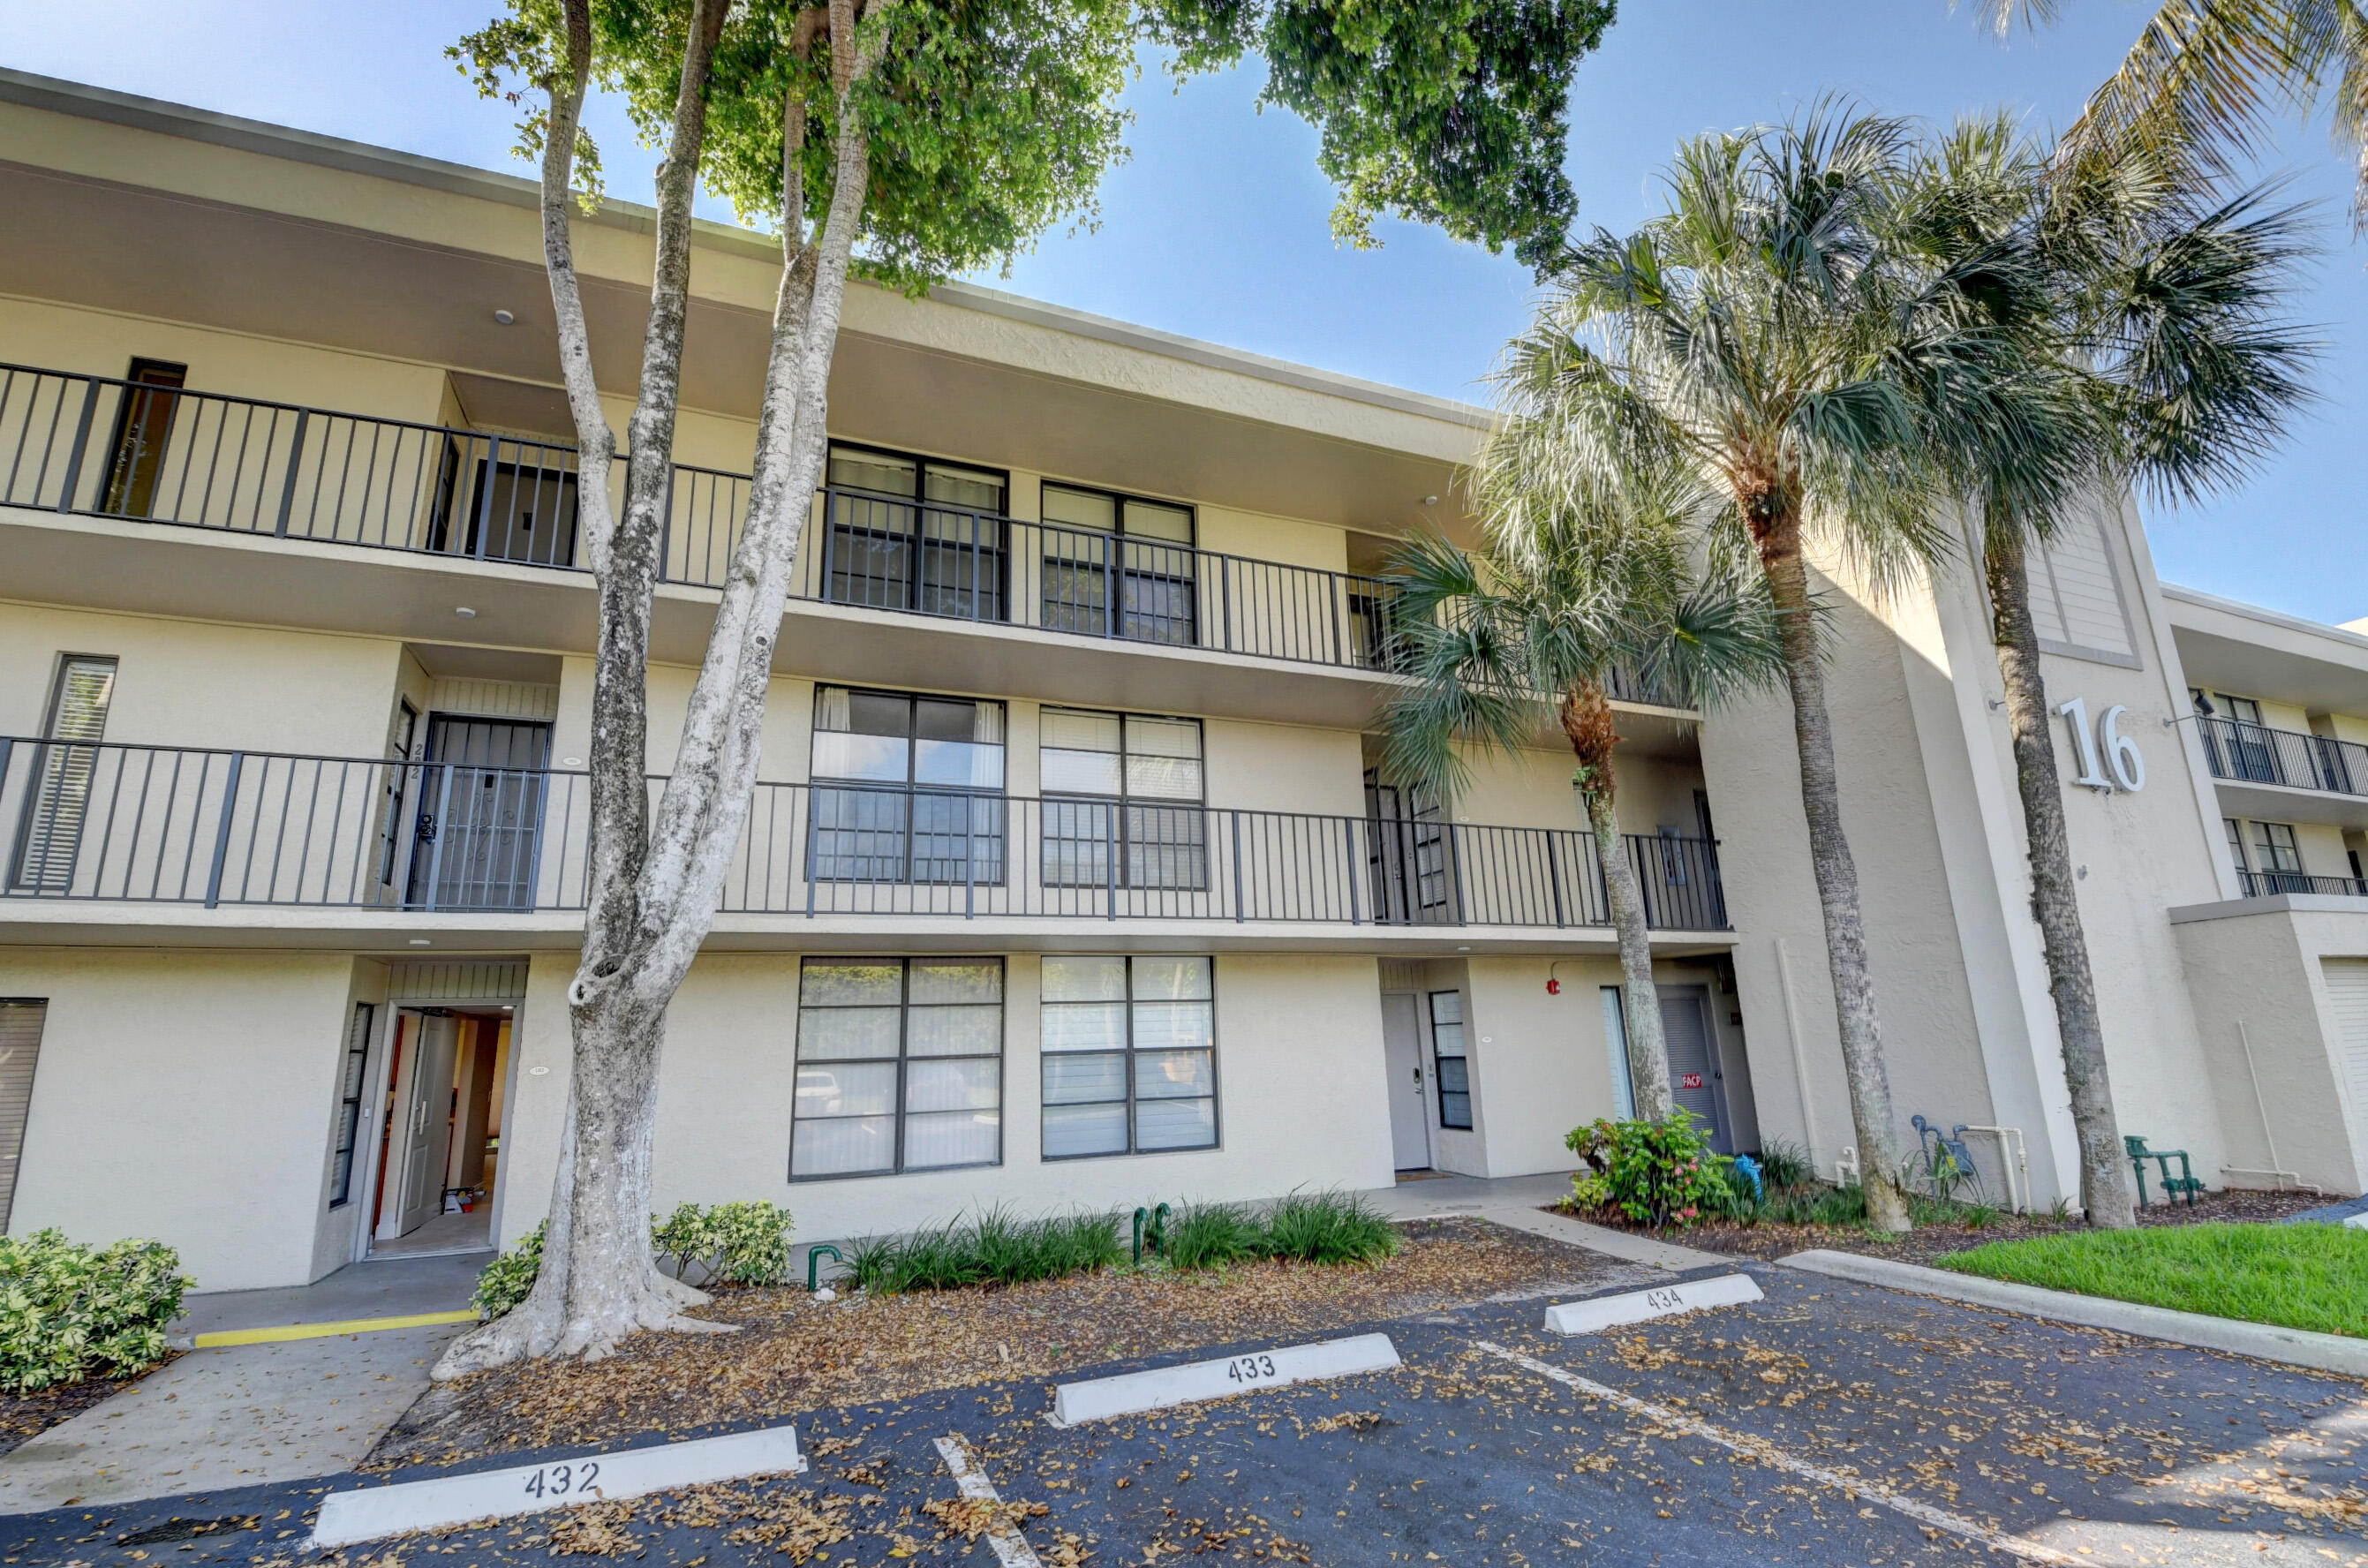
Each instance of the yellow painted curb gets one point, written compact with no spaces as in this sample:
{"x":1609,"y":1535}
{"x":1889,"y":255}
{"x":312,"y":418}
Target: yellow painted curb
{"x":329,"y":1330}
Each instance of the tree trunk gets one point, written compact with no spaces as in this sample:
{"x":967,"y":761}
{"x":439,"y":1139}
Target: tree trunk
{"x":1779,"y":538}
{"x":2054,"y":898}
{"x":656,"y":887}
{"x":1587,"y":718}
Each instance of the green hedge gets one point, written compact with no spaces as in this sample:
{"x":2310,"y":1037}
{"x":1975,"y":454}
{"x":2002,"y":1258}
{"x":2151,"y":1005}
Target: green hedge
{"x":730,"y":1243}
{"x":68,"y":1311}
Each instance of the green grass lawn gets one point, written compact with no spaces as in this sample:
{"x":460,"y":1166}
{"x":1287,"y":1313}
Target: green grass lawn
{"x":2313,"y":1276}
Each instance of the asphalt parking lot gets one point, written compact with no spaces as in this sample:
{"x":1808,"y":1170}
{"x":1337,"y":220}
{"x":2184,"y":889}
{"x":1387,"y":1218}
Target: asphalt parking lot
{"x":1829,"y":1423}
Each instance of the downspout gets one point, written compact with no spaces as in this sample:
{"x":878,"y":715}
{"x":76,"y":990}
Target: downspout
{"x":2261,"y":1106}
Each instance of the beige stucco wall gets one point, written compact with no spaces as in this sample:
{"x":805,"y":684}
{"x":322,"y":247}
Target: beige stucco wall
{"x":193,"y":683}
{"x":1532,"y":788}
{"x":2257,"y":970}
{"x":1301,"y":1098}
{"x":187,"y":1096}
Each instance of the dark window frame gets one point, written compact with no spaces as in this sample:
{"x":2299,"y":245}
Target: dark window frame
{"x":353,"y":1090}
{"x":916,"y":582}
{"x":1438,"y":1060}
{"x":1116,"y":615}
{"x":147,"y":408}
{"x":1127,"y":1053}
{"x":903,"y":1060}
{"x":993,"y":874}
{"x":1123,"y":840}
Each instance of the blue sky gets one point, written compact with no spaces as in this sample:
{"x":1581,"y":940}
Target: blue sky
{"x":1216,"y":225}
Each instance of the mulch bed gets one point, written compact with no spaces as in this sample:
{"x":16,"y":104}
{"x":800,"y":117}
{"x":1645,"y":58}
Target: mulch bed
{"x":1770,"y":1241}
{"x":793,"y":1355}
{"x":24,"y":1416}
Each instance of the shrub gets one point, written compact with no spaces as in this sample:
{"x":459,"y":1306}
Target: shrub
{"x":509,"y":1277}
{"x":1656,"y":1172}
{"x":995,"y":1249}
{"x":68,"y":1311}
{"x":1212,"y":1235}
{"x":1783,"y":1164}
{"x":733,"y":1244}
{"x":1328,"y":1227}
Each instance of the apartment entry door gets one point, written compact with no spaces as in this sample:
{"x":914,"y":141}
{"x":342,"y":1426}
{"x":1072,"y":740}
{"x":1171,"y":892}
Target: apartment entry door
{"x":1693,"y":1060}
{"x":475,"y":842}
{"x":419,"y":1139}
{"x":1409,"y":1105}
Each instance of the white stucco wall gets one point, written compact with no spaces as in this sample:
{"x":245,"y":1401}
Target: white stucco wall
{"x":1300,"y":1097}
{"x":185,"y":1096}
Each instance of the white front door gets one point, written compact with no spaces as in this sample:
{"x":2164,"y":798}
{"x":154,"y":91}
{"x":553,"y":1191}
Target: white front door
{"x":424,"y":1099}
{"x":1410,"y":1105}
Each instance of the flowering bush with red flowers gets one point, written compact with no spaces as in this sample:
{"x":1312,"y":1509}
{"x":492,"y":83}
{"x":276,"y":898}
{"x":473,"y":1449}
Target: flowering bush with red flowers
{"x":1656,"y":1172}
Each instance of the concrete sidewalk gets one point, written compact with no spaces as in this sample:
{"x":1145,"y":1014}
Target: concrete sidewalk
{"x":240,"y":1415}
{"x":1520,"y":1203}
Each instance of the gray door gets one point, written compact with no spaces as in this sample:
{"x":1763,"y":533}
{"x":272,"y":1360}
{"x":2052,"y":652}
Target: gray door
{"x":423,"y":1099}
{"x":1402,"y":1059}
{"x":480,"y":818}
{"x":21,"y":1051}
{"x":1693,"y":1058}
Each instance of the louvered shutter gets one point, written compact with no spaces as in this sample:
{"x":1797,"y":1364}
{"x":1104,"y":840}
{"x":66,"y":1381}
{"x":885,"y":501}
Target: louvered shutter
{"x":21,"y":1051}
{"x":2076,"y":599}
{"x":63,"y":775}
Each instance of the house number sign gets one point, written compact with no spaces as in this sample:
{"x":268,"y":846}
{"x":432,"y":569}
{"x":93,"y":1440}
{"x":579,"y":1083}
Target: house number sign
{"x":2106,"y":746}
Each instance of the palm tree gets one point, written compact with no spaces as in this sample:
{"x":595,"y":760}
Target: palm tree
{"x":2200,"y":86}
{"x":2142,"y":317}
{"x":1770,"y":335}
{"x":1494,"y":638}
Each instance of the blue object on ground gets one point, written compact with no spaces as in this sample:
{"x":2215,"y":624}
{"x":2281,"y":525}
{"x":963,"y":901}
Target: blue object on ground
{"x":1748,"y":1169}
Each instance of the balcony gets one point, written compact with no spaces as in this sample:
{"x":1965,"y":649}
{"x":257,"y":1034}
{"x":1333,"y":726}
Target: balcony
{"x":2269,"y":884}
{"x":215,"y":830}
{"x":2286,"y":776}
{"x":99,"y":448}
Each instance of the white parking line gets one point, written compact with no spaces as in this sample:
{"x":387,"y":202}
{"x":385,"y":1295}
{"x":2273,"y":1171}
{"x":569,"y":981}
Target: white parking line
{"x":1767,"y":1453}
{"x":1011,"y":1548}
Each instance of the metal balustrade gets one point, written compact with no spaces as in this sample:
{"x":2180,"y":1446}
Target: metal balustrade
{"x":2264,"y":885}
{"x":2255,"y":754}
{"x":197,"y":826}
{"x":98,"y":446}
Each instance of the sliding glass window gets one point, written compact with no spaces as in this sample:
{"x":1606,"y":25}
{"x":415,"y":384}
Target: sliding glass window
{"x":907,"y":788}
{"x":1118,"y":566}
{"x":914,"y":533}
{"x":1123,"y":801}
{"x":900,"y":1066}
{"x":1130,"y":1056}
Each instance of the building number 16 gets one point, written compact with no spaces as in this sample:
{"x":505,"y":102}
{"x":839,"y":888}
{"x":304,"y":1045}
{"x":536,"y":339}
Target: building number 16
{"x":2120,"y":753}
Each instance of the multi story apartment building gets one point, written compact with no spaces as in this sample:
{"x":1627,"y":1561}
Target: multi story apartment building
{"x":1072,"y":876}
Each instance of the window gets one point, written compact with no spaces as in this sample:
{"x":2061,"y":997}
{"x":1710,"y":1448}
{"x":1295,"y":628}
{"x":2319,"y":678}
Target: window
{"x":349,"y":1104}
{"x":1130,"y":1056}
{"x":1147,"y":831}
{"x":20,"y":1053}
{"x":907,"y":788}
{"x":66,"y":770}
{"x":399,"y":738}
{"x":2235,"y":846}
{"x":1615,"y":1041}
{"x":1411,"y":856}
{"x":2235,"y":742}
{"x":143,"y":429}
{"x":2273,"y":848}
{"x":900,"y":1066}
{"x":1453,"y":1073}
{"x":2076,"y":595}
{"x":1092,"y":535}
{"x":913,"y":533}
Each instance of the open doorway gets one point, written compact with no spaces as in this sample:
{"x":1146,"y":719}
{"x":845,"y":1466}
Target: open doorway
{"x":439,"y":1159}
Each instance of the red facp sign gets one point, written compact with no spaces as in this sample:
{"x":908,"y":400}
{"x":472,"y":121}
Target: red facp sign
{"x":1690,"y":1081}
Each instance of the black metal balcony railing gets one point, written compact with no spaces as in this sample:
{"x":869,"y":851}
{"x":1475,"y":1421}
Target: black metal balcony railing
{"x":101,"y":447}
{"x":2262,"y":884}
{"x":185,"y":826}
{"x":2255,"y":754}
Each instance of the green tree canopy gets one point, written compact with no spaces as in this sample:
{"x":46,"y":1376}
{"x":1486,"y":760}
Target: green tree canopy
{"x":990,"y":121}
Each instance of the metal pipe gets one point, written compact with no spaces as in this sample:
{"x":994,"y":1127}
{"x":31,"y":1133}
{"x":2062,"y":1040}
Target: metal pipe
{"x":2022,"y":1204}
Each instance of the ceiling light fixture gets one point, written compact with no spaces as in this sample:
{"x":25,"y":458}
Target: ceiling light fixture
{"x":464,"y":612}
{"x":1430,"y":500}
{"x":502,"y":318}
{"x":419,"y":941}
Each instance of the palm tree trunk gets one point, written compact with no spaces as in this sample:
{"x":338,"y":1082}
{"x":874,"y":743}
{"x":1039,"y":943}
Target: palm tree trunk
{"x":1837,"y":874}
{"x":2055,"y":901}
{"x":1586,"y":720}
